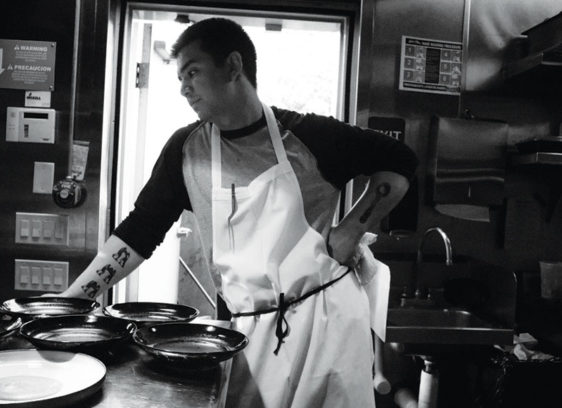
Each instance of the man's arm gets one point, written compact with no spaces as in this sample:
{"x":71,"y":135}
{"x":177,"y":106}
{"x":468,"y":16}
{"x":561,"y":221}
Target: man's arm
{"x":113,"y":262}
{"x":384,"y":191}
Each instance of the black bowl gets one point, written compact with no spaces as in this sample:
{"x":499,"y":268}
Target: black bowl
{"x":44,"y":306}
{"x":84,"y":333}
{"x":189,"y":344}
{"x":142,"y":313}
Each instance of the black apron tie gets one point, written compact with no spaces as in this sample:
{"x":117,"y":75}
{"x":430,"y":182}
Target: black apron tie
{"x":279,"y":331}
{"x":282,"y":307}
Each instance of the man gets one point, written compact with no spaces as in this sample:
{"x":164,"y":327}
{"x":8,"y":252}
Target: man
{"x":264,"y":185}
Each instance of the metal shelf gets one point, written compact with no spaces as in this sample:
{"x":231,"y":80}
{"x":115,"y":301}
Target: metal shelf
{"x":527,"y":64}
{"x":537,"y":69}
{"x":546,"y":164}
{"x":537,"y":158}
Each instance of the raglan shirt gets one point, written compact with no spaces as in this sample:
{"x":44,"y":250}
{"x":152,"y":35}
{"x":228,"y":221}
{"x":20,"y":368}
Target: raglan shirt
{"x":325,"y":154}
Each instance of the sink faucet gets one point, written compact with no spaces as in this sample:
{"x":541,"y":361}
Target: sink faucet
{"x":419,"y":260}
{"x":446,"y":241}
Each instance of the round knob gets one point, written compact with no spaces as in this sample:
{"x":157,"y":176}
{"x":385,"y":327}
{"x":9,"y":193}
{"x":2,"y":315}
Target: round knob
{"x":69,"y":193}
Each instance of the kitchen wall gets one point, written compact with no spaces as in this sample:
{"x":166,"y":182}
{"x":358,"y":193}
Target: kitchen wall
{"x":518,"y":234}
{"x":54,"y":21}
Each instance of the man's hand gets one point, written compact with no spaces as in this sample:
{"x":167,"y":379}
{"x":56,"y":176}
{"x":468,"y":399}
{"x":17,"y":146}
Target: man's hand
{"x":342,"y":245}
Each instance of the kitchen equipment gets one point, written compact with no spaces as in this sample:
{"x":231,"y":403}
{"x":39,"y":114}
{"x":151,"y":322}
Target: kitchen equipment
{"x":189,"y":344}
{"x":30,"y":125}
{"x":467,"y":159}
{"x":47,"y":378}
{"x":551,"y":279}
{"x":69,"y":193}
{"x":551,"y":144}
{"x":8,"y":324}
{"x":77,"y":332}
{"x":43,"y":306}
{"x":151,"y":312}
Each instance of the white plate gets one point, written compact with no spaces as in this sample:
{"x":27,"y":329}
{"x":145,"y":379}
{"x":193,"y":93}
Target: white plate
{"x":47,"y":378}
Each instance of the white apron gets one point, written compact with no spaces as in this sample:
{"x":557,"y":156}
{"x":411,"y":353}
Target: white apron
{"x":267,"y":255}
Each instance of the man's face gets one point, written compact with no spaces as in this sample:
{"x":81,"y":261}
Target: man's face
{"x":203,"y":83}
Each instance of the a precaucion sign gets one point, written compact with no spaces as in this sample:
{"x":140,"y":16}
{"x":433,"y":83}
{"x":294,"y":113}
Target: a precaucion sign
{"x":28,"y":65}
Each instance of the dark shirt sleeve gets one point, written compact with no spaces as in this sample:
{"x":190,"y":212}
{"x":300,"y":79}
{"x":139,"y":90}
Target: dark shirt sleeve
{"x":344,"y":151}
{"x":160,"y":202}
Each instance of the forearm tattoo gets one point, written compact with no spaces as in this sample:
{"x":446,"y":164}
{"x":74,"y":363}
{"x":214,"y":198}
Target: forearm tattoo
{"x":91,"y":289}
{"x":107,"y":272}
{"x":381,"y":191}
{"x":122,"y":256}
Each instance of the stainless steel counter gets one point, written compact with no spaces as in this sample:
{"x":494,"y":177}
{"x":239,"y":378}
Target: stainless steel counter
{"x":134,"y":380}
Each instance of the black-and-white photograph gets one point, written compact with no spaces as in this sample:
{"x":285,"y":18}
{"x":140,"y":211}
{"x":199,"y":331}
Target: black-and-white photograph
{"x":280,"y":203}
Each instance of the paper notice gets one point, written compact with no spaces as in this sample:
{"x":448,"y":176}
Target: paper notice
{"x":79,"y":159}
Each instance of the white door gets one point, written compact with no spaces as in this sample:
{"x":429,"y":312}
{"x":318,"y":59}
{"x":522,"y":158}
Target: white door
{"x":301,"y":66}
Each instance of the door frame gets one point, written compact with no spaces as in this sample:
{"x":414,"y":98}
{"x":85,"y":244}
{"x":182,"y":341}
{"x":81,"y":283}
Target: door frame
{"x":120,"y":24}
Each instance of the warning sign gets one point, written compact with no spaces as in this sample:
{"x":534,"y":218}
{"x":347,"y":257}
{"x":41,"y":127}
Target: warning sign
{"x":27,"y":65}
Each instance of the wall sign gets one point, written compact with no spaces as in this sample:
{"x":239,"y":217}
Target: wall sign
{"x":430,"y":66}
{"x":393,"y":127}
{"x":28,"y":65}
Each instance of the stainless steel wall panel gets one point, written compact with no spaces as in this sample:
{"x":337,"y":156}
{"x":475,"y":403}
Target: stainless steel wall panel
{"x":440,"y":19}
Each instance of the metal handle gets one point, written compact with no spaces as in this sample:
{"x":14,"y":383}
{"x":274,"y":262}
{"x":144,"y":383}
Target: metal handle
{"x":199,"y":285}
{"x":183,"y":232}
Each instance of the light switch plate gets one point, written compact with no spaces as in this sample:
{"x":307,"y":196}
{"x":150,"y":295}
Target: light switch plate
{"x":43,"y":177}
{"x":45,"y":276}
{"x":41,"y":229}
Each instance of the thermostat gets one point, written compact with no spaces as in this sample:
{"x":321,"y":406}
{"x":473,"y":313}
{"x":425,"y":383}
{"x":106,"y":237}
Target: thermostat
{"x":32,"y":125}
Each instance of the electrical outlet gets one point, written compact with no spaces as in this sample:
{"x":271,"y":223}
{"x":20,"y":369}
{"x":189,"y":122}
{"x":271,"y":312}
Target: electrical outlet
{"x":41,"y":229}
{"x":45,"y":276}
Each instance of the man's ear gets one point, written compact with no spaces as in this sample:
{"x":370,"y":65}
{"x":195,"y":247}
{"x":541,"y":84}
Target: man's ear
{"x":235,"y":65}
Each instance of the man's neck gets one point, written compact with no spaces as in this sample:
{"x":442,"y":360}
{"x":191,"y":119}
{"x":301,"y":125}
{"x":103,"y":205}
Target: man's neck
{"x":244,"y":109}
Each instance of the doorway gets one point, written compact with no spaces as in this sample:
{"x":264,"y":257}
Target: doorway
{"x":301,"y":66}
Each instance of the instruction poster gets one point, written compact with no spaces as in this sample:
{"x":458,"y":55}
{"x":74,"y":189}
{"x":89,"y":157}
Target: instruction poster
{"x":28,"y":65}
{"x":430,"y":66}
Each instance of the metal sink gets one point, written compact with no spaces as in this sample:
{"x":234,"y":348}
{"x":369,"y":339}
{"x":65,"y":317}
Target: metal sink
{"x":424,"y":331}
{"x":438,"y":307}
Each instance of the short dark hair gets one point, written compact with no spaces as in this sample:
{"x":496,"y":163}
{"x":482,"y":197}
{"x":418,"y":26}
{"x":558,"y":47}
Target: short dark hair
{"x":219,"y":37}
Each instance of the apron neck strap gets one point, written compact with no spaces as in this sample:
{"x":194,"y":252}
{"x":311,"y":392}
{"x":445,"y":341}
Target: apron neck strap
{"x":273,"y":130}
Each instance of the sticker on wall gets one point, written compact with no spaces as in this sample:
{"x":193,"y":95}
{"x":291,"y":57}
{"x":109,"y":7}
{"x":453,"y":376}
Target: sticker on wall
{"x":430,"y":66}
{"x":27,"y":65}
{"x":38,"y":99}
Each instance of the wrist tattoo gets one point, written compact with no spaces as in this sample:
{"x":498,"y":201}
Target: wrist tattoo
{"x":91,"y":289}
{"x":108,"y":271}
{"x":381,"y":191}
{"x":122,"y":256}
